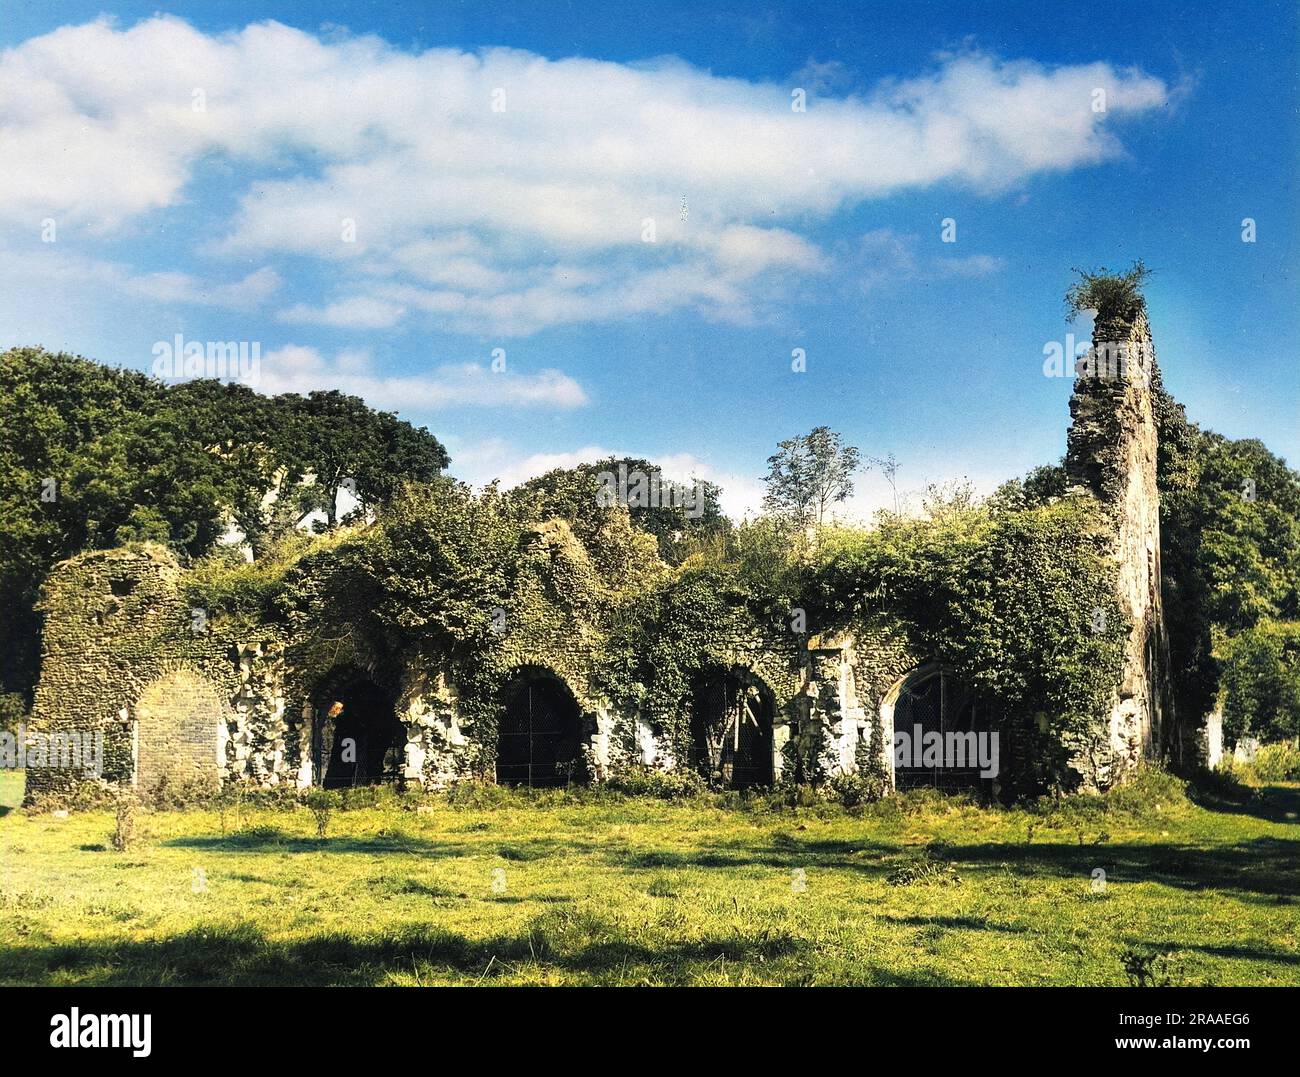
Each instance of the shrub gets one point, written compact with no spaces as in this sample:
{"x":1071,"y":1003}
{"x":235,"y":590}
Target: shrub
{"x":851,"y":790}
{"x":1111,"y":295}
{"x":640,"y":780}
{"x":322,"y":804}
{"x":169,"y":795}
{"x":124,"y":832}
{"x":1275,"y":763}
{"x":479,"y":793}
{"x":1150,"y":789}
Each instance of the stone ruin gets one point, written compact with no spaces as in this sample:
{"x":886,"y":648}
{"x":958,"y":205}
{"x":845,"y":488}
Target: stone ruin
{"x":181,"y":703}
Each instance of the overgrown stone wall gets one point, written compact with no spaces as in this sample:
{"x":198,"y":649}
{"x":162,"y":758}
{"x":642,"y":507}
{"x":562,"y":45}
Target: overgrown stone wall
{"x":188,"y":696}
{"x":124,"y":655}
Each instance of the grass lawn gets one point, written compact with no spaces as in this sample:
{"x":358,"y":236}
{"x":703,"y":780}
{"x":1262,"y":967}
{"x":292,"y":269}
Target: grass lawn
{"x":917,"y":890}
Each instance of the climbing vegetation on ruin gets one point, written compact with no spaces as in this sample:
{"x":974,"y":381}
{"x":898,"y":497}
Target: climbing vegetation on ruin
{"x":1018,"y":603}
{"x":1112,"y":295}
{"x":1014,"y":594}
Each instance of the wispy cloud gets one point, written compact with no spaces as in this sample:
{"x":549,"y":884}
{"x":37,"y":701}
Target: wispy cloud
{"x":298,"y":369}
{"x":503,"y":192}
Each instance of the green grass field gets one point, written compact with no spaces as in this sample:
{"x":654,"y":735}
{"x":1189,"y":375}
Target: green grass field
{"x":917,"y":890}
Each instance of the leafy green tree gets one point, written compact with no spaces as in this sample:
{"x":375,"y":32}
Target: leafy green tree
{"x":1230,"y":546}
{"x":572,"y":494}
{"x":345,"y":444}
{"x":97,"y":456}
{"x":809,"y":473}
{"x":1261,"y":683}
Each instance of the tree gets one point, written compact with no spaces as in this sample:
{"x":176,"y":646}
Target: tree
{"x":95,"y":457}
{"x":680,"y":530}
{"x":346,"y":445}
{"x":809,"y":473}
{"x":1261,"y":683}
{"x":1230,"y":546}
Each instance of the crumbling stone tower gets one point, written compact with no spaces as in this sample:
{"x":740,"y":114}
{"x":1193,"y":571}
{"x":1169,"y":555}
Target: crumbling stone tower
{"x":1111,"y":454}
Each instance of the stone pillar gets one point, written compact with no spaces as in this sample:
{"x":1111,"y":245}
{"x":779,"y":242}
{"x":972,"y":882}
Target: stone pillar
{"x":1111,"y":454}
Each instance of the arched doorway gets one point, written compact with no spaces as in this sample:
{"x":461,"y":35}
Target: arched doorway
{"x":178,"y":736}
{"x":937,"y":725}
{"x":359,"y":738}
{"x":731,"y":730}
{"x":540,"y":734}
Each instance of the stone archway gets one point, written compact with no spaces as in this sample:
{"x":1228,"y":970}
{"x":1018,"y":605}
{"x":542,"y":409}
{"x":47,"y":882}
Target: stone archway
{"x":358,"y":737}
{"x":179,"y":733}
{"x":732,"y":729}
{"x":936,"y":722}
{"x":539,"y":738}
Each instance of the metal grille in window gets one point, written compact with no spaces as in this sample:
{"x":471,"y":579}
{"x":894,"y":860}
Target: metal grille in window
{"x":539,"y":737}
{"x":732,"y":733}
{"x":935,"y":703}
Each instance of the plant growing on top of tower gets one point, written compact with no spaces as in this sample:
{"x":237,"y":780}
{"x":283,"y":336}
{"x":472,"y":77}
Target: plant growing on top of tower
{"x":1111,"y":295}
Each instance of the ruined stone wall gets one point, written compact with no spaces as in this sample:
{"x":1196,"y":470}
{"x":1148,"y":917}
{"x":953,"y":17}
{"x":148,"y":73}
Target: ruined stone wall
{"x":178,"y":700}
{"x":1111,"y":454}
{"x":191,"y":698}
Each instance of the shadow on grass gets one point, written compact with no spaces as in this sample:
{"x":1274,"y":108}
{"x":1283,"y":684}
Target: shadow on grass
{"x":956,"y":923}
{"x":1238,"y":953}
{"x":783,"y":853}
{"x":1272,"y":803}
{"x":273,"y":840}
{"x":222,"y":954}
{"x":1262,"y":866}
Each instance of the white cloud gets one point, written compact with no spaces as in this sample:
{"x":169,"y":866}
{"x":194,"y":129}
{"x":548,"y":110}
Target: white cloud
{"x":473,"y":211}
{"x":298,"y":369}
{"x":883,"y":257}
{"x":57,"y":269}
{"x":359,"y":312}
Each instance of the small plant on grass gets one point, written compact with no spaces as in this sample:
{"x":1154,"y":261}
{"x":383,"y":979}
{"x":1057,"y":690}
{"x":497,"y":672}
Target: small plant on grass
{"x":1149,"y":968}
{"x":229,"y":803}
{"x":927,"y":868}
{"x":322,"y":804}
{"x":124,"y":832}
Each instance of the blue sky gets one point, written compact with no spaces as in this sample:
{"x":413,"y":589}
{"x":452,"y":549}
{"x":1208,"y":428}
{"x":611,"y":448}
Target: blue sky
{"x":499,"y":167}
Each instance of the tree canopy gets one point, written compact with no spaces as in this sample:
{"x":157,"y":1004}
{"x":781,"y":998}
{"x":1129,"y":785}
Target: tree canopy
{"x":98,"y":456}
